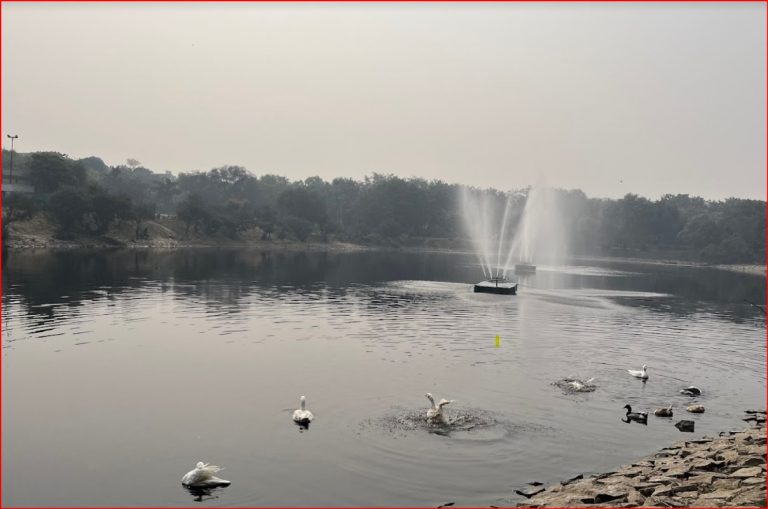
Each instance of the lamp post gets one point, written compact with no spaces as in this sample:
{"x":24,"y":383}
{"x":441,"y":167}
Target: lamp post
{"x":12,"y":138}
{"x":10,"y":203}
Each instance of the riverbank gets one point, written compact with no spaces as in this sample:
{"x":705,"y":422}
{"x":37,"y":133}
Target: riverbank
{"x":726,"y":471}
{"x":38,"y":233}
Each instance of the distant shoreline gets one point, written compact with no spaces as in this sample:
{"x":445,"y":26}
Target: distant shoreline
{"x":99,"y":245}
{"x":38,"y":233}
{"x":745,"y":268}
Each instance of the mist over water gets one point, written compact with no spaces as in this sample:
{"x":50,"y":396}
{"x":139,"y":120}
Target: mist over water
{"x":502,"y":234}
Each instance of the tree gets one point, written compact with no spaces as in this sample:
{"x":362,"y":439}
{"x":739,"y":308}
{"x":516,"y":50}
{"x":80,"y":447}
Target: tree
{"x":266,"y":218}
{"x":66,"y":208}
{"x":50,"y":171}
{"x":165,"y":193}
{"x":344,"y":192}
{"x":700,"y":231}
{"x":300,"y":227}
{"x":141,"y":212}
{"x":95,"y":168}
{"x":193,"y":212}
{"x":105,"y":208}
{"x":301,"y":203}
{"x":132,"y":163}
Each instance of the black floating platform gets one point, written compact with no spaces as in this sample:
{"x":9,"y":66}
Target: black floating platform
{"x":498,"y":285}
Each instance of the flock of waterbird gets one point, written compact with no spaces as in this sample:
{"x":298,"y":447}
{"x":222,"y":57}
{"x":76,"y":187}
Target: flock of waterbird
{"x":642,"y":417}
{"x":204,"y":474}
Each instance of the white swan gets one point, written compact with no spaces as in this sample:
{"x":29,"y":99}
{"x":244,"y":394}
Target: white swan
{"x":302,"y":415}
{"x":639,"y":373}
{"x":435,"y":412}
{"x":204,"y":476}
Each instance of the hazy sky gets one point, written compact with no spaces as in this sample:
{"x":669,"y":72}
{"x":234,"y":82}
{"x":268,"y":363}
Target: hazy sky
{"x":650,"y":99}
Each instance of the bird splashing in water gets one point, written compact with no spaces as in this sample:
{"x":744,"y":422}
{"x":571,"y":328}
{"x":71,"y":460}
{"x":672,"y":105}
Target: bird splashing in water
{"x":574,"y":385}
{"x":435,"y":412}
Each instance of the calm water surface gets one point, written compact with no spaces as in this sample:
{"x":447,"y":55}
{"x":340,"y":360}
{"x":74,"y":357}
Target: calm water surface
{"x":121,"y":370}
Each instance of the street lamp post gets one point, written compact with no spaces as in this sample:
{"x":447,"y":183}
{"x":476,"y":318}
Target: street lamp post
{"x":10,"y":203}
{"x":12,"y":138}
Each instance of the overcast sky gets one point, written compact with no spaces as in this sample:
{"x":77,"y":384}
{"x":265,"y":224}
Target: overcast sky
{"x":616,"y":98}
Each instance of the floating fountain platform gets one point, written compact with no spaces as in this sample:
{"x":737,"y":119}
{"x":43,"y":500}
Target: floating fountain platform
{"x":525,"y":268}
{"x":500,"y":285}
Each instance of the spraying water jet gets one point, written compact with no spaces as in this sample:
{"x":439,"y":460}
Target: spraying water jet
{"x":530,"y":219}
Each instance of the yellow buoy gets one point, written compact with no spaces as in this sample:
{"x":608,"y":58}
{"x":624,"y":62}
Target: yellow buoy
{"x":497,"y":341}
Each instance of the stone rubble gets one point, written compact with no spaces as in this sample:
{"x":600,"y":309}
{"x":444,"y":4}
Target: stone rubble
{"x":726,"y":471}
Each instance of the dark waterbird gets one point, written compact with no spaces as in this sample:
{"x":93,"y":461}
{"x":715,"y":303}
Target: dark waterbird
{"x":691,"y":391}
{"x":641,"y":417}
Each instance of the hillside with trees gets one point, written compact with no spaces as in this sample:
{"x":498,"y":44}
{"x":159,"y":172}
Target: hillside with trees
{"x":86,"y":197}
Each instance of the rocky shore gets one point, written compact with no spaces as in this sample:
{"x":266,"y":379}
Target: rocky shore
{"x":725,"y":471}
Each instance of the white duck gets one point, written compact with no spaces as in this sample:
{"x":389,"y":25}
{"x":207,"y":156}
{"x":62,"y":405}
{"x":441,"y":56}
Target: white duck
{"x":642,"y":374}
{"x":579,"y":385}
{"x":302,"y":415}
{"x":204,"y":476}
{"x":435,"y":413}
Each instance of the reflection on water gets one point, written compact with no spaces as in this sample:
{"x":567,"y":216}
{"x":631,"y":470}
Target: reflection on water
{"x":201,"y":494}
{"x":633,"y":421}
{"x":134,"y":364}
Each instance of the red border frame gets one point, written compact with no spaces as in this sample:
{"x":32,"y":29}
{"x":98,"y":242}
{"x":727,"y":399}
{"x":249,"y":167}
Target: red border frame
{"x":765,"y":2}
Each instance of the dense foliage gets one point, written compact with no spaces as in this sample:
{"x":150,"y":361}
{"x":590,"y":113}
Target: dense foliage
{"x":86,"y":196}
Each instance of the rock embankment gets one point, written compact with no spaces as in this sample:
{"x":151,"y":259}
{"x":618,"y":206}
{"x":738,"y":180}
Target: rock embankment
{"x":709,"y":472}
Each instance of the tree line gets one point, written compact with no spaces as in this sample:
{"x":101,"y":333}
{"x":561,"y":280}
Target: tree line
{"x":86,"y":196}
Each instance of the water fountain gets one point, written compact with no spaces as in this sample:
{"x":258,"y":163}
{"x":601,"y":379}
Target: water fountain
{"x":536,"y":233}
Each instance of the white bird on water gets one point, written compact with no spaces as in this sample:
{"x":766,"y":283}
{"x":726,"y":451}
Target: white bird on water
{"x":579,"y":385}
{"x":204,"y":476}
{"x":302,"y":415}
{"x":643,"y":374}
{"x":435,"y":412}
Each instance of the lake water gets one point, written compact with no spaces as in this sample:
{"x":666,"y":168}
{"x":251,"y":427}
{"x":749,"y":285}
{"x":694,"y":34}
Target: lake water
{"x":121,"y":370}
